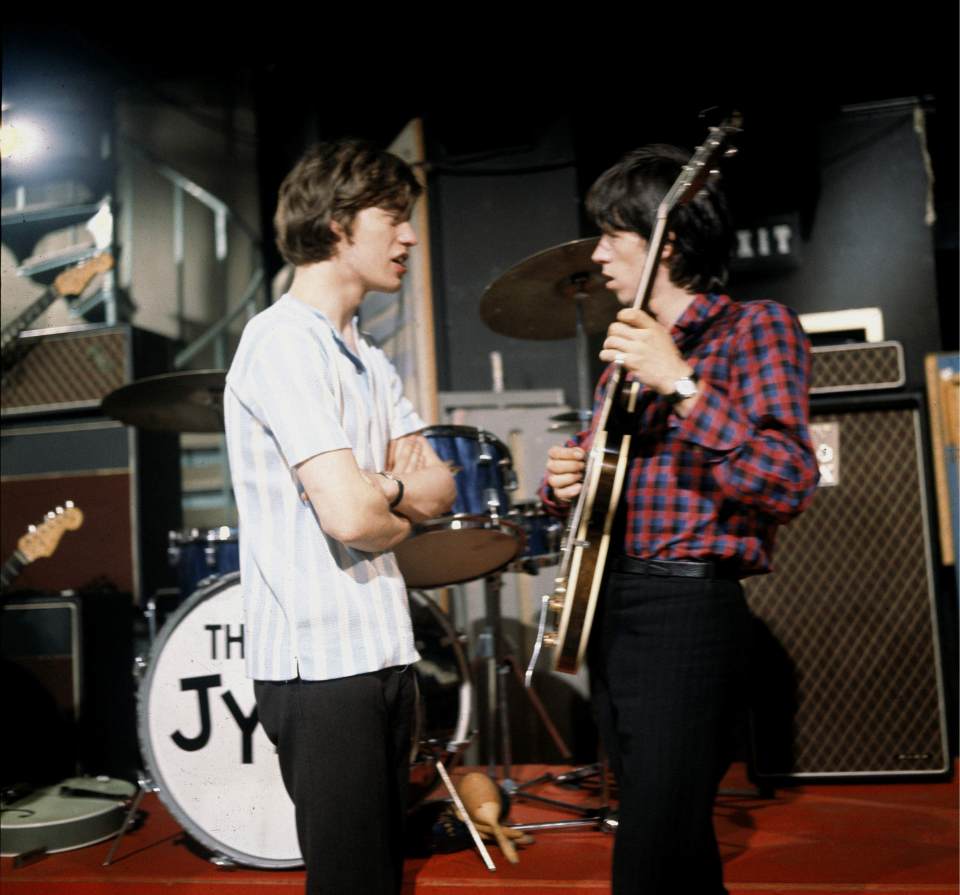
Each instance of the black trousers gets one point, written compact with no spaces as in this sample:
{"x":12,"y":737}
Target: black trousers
{"x":344,"y":749}
{"x":667,"y":661}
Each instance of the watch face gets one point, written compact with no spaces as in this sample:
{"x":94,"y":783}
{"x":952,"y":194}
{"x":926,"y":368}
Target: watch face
{"x":686,"y":388}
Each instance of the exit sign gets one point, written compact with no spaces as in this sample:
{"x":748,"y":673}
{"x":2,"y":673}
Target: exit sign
{"x":768,"y":245}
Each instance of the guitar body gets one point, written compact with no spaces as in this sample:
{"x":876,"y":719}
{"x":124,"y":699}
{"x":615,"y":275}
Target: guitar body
{"x":49,"y":820}
{"x":576,"y":593}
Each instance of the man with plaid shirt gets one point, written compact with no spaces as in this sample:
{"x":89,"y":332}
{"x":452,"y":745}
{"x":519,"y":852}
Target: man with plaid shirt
{"x":721,"y":456}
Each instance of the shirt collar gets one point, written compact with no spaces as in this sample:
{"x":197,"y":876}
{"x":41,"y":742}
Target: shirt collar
{"x":301,"y":307}
{"x":698,"y":315}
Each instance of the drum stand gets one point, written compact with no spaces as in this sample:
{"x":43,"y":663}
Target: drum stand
{"x":498,"y":668}
{"x":144,"y":785}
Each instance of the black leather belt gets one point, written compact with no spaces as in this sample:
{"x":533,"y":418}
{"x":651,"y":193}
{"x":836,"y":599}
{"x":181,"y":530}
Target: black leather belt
{"x":669,"y":568}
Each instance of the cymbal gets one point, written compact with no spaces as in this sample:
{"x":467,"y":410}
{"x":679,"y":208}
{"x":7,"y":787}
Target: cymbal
{"x":538,"y":297}
{"x":191,"y":401}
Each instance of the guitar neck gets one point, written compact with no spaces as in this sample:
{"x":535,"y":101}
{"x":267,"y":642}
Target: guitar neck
{"x":12,"y":568}
{"x":10,"y":332}
{"x":652,"y":262}
{"x":586,"y":495}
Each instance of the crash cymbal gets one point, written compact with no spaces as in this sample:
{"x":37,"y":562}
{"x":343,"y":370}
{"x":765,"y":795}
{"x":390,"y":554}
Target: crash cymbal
{"x":174,"y":402}
{"x":538,"y":297}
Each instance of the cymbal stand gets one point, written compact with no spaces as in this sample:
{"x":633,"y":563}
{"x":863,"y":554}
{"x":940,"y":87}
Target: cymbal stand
{"x":583,"y":347}
{"x":579,"y":418}
{"x":498,"y":667}
{"x":600,"y":818}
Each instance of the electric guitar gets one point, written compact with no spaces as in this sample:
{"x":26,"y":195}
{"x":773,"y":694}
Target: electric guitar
{"x":69,"y":283}
{"x":41,"y":540}
{"x":566,"y":615}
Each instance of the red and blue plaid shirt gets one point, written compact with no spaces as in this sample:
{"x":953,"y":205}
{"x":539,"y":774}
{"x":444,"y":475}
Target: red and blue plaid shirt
{"x":714,"y":486}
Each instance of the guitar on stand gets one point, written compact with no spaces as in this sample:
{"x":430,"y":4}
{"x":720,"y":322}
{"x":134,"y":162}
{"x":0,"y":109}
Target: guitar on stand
{"x":40,"y":541}
{"x":566,"y":615}
{"x":68,"y":284}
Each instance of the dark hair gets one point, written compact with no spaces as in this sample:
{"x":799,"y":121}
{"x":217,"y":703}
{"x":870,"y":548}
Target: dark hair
{"x":626,"y":197}
{"x":335,"y":182}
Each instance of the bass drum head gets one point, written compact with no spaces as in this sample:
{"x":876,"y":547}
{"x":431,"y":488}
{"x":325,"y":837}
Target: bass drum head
{"x":214,"y":767}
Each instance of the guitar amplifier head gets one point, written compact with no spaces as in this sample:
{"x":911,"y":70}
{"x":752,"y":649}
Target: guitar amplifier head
{"x":864,"y":366}
{"x":73,"y":368}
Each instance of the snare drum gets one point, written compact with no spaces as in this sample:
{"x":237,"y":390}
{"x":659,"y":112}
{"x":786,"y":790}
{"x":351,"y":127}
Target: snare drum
{"x":199,"y":554}
{"x":205,"y":750}
{"x":476,"y":538}
{"x":543,"y":533}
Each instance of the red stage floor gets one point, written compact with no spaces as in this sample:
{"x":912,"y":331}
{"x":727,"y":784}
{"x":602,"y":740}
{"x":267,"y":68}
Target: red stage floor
{"x":894,"y":838}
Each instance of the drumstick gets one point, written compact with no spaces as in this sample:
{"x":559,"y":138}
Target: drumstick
{"x":481,"y":797}
{"x":487,"y":860}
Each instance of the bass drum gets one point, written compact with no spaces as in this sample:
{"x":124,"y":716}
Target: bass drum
{"x":202,"y":743}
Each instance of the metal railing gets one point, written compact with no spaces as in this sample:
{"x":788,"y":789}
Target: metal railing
{"x":252,"y":300}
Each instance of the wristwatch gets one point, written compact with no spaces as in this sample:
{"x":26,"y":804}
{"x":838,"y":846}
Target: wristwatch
{"x":396,"y":500}
{"x":684,"y":388}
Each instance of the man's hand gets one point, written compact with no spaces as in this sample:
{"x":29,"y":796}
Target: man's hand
{"x":408,"y":454}
{"x":565,"y":467}
{"x":647,"y":350}
{"x":429,"y":488}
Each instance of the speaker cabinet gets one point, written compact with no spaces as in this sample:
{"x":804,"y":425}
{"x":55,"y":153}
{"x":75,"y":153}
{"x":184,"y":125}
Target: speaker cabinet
{"x":41,"y":672}
{"x":56,"y":446}
{"x":68,"y":687}
{"x":848,"y":677}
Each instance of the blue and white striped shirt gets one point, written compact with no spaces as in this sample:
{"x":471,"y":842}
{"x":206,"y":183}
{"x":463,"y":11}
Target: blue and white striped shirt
{"x":314,"y":608}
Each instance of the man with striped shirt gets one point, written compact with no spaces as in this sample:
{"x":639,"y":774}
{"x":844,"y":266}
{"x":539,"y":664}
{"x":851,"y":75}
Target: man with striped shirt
{"x":721,"y":456}
{"x":329,"y":475}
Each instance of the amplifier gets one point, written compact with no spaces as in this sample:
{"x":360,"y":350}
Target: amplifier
{"x":73,"y":368}
{"x":848,"y":678}
{"x":126,"y":483}
{"x":69,"y":696}
{"x":863,"y":366}
{"x":57,"y":446}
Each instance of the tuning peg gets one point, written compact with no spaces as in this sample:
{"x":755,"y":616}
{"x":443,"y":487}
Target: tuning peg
{"x":50,"y":515}
{"x":59,"y":511}
{"x":730,"y":152}
{"x":32,"y":528}
{"x":68,"y":504}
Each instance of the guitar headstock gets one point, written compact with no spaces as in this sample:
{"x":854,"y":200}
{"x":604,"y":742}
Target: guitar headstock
{"x":41,"y":540}
{"x":703,"y":164}
{"x":75,"y":279}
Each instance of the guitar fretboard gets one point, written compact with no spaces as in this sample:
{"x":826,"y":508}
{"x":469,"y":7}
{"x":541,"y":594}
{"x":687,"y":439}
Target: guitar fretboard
{"x":11,"y":568}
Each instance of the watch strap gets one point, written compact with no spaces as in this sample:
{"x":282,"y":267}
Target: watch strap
{"x":676,"y":397}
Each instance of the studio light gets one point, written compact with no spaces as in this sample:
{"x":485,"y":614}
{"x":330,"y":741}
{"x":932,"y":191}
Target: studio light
{"x":20,"y":141}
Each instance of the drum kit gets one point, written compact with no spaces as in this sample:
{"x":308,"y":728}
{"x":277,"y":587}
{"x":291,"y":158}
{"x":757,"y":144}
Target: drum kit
{"x":205,"y":753}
